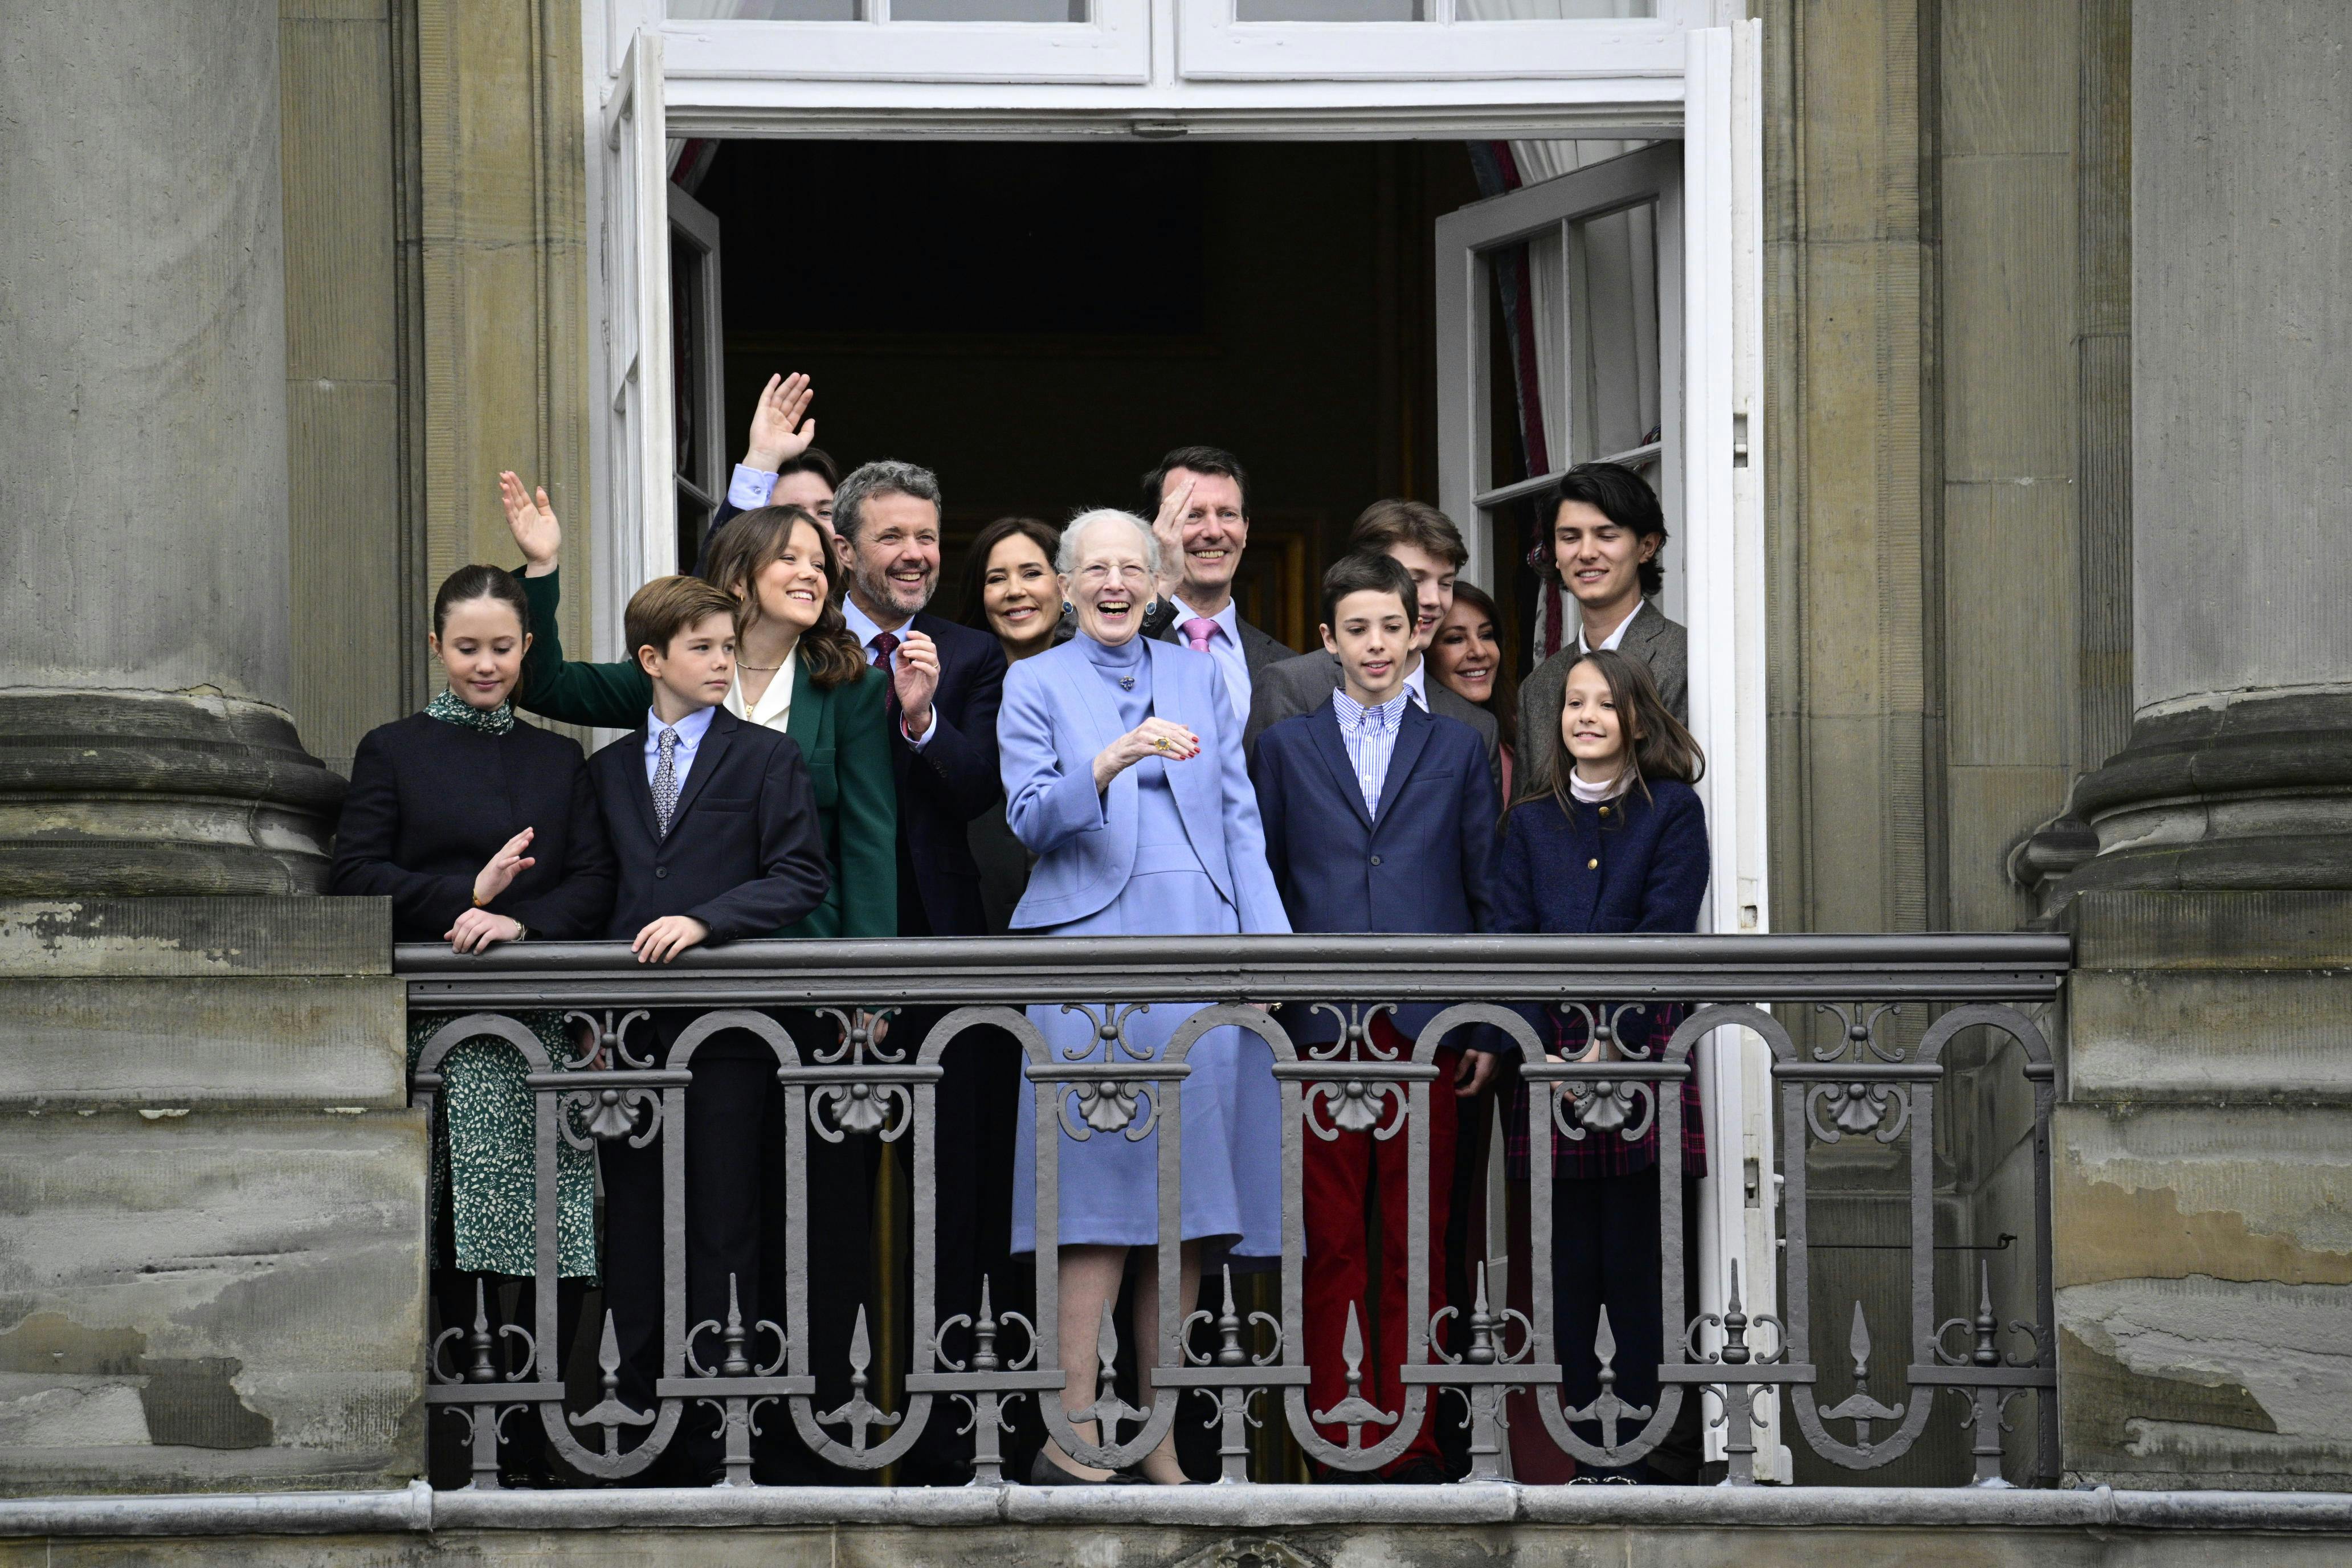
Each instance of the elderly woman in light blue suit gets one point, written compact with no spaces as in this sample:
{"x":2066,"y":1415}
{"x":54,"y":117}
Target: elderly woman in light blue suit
{"x":1123,"y":774}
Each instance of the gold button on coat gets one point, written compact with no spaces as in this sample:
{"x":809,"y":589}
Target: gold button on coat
{"x":1592,"y":865}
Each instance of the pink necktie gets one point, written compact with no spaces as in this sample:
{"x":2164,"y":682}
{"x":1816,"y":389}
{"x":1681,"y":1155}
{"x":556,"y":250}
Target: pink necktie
{"x":1197,"y":631}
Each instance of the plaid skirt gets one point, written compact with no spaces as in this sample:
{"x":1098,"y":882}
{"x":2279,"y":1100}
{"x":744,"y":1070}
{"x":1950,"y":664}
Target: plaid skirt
{"x":1598,"y":1154}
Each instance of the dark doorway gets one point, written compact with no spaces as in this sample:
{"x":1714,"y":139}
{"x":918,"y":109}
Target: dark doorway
{"x":1038,"y":323}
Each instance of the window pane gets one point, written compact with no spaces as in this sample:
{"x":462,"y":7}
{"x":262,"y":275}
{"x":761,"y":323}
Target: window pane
{"x":763,"y":10}
{"x":1551,"y":10}
{"x":1328,"y":11}
{"x":988,"y":10}
{"x":1612,"y":288}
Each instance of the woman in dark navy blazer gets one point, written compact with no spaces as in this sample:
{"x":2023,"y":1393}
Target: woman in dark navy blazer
{"x":481,"y":829}
{"x":1613,"y":839}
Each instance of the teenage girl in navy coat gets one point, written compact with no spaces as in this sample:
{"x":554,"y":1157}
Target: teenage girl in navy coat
{"x":1613,"y":840}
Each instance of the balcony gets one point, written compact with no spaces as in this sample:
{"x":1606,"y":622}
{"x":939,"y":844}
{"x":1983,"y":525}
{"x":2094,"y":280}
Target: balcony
{"x":1861,"y":1039}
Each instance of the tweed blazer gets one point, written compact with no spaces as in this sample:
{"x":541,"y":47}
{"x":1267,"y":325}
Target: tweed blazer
{"x":1662,"y":644}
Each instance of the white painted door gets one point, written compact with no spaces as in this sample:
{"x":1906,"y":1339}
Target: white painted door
{"x":636,"y":434}
{"x":1635,"y":288}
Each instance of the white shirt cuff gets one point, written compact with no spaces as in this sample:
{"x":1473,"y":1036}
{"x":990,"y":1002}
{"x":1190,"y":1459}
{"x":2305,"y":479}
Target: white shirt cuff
{"x":750,"y":488}
{"x":919,"y":741}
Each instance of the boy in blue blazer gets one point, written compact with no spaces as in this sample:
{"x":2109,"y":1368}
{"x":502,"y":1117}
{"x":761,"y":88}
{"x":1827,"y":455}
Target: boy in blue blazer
{"x":714,"y":826}
{"x":1379,"y":817}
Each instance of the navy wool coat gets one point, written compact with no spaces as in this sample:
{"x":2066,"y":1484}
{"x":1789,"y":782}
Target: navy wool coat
{"x":430,"y":802}
{"x":1632,"y":864}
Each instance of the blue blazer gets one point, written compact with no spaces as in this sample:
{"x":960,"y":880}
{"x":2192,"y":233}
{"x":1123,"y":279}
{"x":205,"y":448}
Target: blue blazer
{"x":1057,"y":714}
{"x":1575,"y":872}
{"x":1422,"y":865}
{"x":742,"y":855}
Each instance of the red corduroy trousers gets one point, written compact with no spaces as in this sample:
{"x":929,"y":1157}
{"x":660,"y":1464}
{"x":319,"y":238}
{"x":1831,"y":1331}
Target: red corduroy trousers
{"x":1338,"y":1176}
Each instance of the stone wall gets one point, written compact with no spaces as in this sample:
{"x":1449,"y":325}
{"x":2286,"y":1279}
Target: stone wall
{"x":2204,"y":1192}
{"x":212,"y":1199}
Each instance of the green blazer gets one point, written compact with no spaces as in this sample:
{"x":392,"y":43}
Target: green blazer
{"x":843,"y":735}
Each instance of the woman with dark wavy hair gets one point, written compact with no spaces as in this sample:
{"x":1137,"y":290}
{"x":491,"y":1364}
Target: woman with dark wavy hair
{"x":1010,"y":591}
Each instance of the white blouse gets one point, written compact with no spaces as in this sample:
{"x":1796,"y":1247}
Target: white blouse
{"x":774,"y":709}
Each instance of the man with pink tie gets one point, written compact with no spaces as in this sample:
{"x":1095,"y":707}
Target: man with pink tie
{"x":1199,"y":498}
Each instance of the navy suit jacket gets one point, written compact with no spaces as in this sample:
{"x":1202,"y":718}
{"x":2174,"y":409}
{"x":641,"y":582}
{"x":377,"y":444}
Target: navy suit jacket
{"x":952,"y":780}
{"x":1423,"y":864}
{"x":743,"y":855}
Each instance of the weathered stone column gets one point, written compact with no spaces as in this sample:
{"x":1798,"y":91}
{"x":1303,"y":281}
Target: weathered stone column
{"x":2239,"y":769}
{"x":144,"y":745}
{"x":2202,"y":1156}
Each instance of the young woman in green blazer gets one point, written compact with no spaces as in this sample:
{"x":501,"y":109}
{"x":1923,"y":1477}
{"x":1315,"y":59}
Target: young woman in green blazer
{"x":797,"y":668}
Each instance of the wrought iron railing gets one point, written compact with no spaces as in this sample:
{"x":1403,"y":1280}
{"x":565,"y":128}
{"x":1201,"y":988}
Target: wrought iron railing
{"x":1893,"y":1006}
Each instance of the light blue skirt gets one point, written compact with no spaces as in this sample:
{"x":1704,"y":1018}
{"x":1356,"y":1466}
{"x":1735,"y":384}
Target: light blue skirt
{"x":1232,"y":1111}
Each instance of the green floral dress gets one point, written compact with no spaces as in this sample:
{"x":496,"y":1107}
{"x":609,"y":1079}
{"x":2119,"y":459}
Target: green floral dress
{"x":491,"y":1125}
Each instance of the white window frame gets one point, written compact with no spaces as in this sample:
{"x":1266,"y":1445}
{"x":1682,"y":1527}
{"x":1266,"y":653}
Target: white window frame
{"x":1113,"y":47}
{"x":1213,"y":45}
{"x":1159,"y":68}
{"x":697,"y":225}
{"x":1470,"y":493}
{"x":635,"y":518}
{"x":1707,"y":187}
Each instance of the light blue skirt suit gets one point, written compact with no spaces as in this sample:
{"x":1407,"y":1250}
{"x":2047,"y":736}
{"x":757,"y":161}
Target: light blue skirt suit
{"x":1172,"y":848}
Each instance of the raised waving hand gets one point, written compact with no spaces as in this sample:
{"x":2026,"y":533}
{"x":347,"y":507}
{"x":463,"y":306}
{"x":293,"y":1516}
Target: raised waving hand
{"x":532,"y":523}
{"x":779,"y":431}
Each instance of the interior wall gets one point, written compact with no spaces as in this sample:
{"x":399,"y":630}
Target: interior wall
{"x":1037,"y":323}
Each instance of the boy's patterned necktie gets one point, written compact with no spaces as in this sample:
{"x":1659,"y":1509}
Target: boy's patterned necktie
{"x":666,"y":779}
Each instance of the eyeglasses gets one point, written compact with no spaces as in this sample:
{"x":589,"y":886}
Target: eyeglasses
{"x":1101,"y":573}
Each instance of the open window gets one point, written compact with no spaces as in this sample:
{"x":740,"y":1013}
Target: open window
{"x":1613,"y":311}
{"x":697,"y":362}
{"x":1635,"y":293}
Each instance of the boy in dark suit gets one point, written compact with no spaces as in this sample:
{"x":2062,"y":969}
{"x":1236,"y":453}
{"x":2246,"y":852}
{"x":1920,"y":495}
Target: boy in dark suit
{"x":1379,"y":817}
{"x":714,"y":826}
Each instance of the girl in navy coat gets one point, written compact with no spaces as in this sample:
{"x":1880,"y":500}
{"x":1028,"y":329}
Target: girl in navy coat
{"x":1613,"y":840}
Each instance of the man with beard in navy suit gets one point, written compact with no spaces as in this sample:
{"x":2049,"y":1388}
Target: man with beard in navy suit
{"x":946,"y":681}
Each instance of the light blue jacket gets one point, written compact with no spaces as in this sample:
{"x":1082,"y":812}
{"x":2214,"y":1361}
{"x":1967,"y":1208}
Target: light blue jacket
{"x":1057,"y":714}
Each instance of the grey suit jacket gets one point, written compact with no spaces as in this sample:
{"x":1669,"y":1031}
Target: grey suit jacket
{"x":1304,"y":683}
{"x":1660,"y":644}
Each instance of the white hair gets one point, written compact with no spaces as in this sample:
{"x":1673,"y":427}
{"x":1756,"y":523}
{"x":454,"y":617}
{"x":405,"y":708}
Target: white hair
{"x":1066,"y":557}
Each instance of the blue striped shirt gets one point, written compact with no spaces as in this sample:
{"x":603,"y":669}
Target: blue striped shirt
{"x":1371,"y":736}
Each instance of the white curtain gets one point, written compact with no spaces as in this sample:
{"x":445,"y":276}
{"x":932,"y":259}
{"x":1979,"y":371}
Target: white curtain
{"x":1552,"y":10}
{"x":1595,"y":310}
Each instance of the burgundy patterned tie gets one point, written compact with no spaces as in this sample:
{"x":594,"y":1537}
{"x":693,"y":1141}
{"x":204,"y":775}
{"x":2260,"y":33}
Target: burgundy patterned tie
{"x":885,"y":644}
